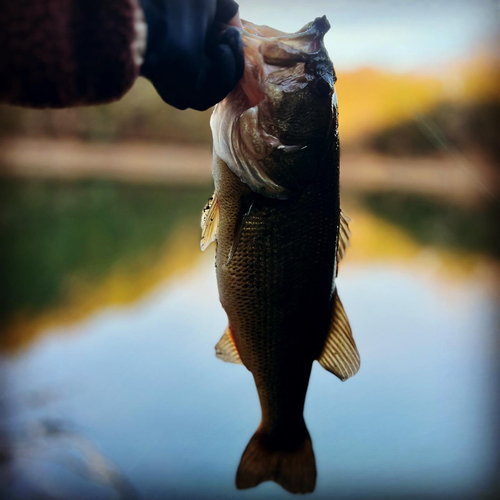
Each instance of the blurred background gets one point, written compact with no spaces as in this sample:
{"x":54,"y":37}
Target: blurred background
{"x":109,"y":385}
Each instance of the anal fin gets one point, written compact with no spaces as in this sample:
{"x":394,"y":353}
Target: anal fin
{"x":340,"y":355}
{"x":226,"y":348}
{"x":209,"y":222}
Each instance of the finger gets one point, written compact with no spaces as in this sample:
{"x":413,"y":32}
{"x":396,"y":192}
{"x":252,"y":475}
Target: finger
{"x":232,"y":38}
{"x":224,"y":70}
{"x":226,"y":10}
{"x":219,"y":80}
{"x":236,"y":21}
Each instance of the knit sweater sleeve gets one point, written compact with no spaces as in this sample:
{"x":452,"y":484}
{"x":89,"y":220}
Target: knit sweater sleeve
{"x":60,"y":53}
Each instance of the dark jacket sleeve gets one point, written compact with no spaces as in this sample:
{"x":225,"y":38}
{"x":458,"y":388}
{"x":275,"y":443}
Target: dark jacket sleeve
{"x":58,"y":53}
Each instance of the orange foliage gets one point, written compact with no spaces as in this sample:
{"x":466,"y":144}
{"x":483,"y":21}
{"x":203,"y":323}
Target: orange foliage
{"x":370,"y":99}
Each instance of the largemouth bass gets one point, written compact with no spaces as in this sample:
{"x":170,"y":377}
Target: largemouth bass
{"x":280,"y":234}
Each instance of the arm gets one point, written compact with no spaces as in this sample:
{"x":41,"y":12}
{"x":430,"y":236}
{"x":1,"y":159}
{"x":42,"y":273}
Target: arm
{"x":61,"y":53}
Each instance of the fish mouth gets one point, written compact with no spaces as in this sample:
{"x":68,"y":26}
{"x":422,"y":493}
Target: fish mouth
{"x":267,"y":50}
{"x":307,"y":39}
{"x":243,"y":126}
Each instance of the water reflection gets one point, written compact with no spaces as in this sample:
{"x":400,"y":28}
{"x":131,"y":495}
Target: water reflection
{"x":129,"y":398}
{"x":468,"y":229}
{"x":67,"y":249}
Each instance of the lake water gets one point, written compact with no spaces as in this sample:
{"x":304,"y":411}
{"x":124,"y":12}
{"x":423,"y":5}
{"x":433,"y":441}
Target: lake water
{"x":111,"y":389}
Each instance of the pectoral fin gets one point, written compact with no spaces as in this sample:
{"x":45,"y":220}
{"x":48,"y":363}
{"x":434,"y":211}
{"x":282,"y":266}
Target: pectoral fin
{"x":344,"y":235}
{"x":340,"y":355}
{"x":209,"y":222}
{"x":226,"y":348}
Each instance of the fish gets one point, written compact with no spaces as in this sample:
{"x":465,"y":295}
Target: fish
{"x":280,"y":233}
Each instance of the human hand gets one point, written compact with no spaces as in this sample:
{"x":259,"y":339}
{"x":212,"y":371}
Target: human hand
{"x":194,"y":55}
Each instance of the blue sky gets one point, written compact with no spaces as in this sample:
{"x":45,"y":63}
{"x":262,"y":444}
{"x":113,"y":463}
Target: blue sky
{"x":395,"y":35}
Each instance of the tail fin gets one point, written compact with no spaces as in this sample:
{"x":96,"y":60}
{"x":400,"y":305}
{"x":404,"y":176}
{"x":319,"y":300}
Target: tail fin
{"x":264,"y":459}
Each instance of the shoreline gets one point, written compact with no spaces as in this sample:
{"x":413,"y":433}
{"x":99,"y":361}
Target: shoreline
{"x":452,"y":177}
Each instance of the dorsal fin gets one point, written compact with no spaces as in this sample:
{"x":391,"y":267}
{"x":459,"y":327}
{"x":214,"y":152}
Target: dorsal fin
{"x":226,"y":348}
{"x":340,"y":355}
{"x":209,"y":222}
{"x":344,"y":235}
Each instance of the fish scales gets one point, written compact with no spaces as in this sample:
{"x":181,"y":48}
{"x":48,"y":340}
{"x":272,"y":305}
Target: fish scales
{"x":280,"y":233}
{"x":277,"y":289}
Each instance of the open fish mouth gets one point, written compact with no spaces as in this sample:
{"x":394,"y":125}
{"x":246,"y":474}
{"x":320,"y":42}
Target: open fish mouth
{"x":267,"y":50}
{"x":246,"y":127}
